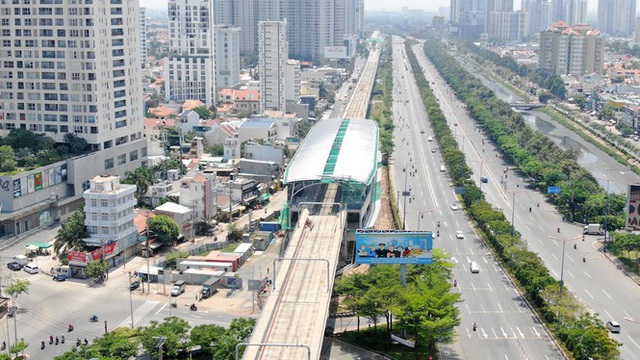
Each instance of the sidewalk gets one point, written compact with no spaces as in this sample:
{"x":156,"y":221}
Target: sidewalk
{"x":617,"y":262}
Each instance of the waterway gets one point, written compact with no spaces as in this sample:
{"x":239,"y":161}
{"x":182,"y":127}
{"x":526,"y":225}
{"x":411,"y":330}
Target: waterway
{"x":601,"y":165}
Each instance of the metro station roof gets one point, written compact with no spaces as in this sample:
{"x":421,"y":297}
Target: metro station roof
{"x":336,"y":150}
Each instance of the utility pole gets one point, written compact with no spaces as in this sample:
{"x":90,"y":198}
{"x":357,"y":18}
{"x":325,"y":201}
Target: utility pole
{"x":160,"y":341}
{"x":15,"y":321}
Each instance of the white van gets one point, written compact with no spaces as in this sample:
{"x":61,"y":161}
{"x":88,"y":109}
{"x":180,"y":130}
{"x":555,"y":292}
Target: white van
{"x":31,"y":269}
{"x":442,"y":168}
{"x":613,"y":326}
{"x":178,"y":287}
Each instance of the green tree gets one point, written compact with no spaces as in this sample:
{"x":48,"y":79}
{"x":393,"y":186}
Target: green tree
{"x":203,"y":112}
{"x":234,"y":233}
{"x":303,"y":128}
{"x":18,"y":348}
{"x":19,"y":138}
{"x":207,"y":336}
{"x":121,"y":343}
{"x":171,"y":259}
{"x":17,"y":287}
{"x":173,"y":329}
{"x":71,"y":233}
{"x":77,"y":145}
{"x":215,"y":150}
{"x":164,"y":227}
{"x":97,"y":269}
{"x":142,"y":177}
{"x":7,"y":158}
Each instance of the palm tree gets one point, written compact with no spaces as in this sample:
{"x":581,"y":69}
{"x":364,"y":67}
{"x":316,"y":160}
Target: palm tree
{"x":142,"y":177}
{"x":71,"y":233}
{"x":18,"y":287}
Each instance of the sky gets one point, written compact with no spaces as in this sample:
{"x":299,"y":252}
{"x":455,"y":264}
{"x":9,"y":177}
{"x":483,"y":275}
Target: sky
{"x":431,"y":5}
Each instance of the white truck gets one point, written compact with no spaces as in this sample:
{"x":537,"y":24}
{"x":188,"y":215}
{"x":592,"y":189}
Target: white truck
{"x":593,"y":229}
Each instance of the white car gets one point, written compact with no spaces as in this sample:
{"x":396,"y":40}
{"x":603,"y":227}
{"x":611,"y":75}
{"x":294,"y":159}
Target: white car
{"x":459,"y":235}
{"x":474,"y":267}
{"x":455,"y":207}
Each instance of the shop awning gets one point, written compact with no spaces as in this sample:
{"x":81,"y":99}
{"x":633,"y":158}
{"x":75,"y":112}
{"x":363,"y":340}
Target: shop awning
{"x":32,"y":247}
{"x":41,"y":244}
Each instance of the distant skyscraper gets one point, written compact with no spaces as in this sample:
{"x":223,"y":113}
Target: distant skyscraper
{"x":539,"y":15}
{"x":617,"y":17}
{"x":272,"y":59}
{"x":227,"y":55}
{"x":143,"y":37}
{"x":72,"y":70}
{"x":354,"y":17}
{"x":576,"y":50}
{"x":570,"y":11}
{"x":469,"y":17}
{"x":508,"y":25}
{"x":292,"y":80}
{"x":190,"y":71}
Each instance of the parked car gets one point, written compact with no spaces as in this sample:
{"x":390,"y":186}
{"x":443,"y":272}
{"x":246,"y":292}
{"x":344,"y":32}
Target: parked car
{"x":59,"y":277}
{"x":14,"y":266}
{"x":459,"y":235}
{"x":134,"y":285}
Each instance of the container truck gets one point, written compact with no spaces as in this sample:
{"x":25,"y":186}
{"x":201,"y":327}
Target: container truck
{"x":593,"y":229}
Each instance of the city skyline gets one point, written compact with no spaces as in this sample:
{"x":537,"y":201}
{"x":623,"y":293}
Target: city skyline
{"x":373,"y":5}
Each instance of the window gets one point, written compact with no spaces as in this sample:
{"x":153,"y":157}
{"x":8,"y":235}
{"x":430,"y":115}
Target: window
{"x":133,"y":156}
{"x":105,"y":217}
{"x":108,"y":164}
{"x":104,"y":203}
{"x":122,"y":159}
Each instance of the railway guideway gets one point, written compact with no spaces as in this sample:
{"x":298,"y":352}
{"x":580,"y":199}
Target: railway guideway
{"x":294,"y":317}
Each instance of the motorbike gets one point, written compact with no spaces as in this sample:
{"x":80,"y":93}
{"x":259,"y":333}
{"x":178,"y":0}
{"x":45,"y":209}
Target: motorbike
{"x":93,"y":318}
{"x":455,"y":283}
{"x":62,"y":339}
{"x":42,"y":346}
{"x":86,"y":342}
{"x":584,"y":259}
{"x":474,"y":326}
{"x":193,"y":307}
{"x":50,"y":339}
{"x":57,"y":340}
{"x":4,"y":345}
{"x":174,"y":304}
{"x":70,"y":329}
{"x":78,"y":342}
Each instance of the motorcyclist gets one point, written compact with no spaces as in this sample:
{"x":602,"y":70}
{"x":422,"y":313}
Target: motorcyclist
{"x":193,"y":307}
{"x":62,"y":339}
{"x":455,"y":283}
{"x":474,"y":326}
{"x":50,"y":339}
{"x":78,"y":342}
{"x":42,"y":346}
{"x":584,"y":258}
{"x":70,"y":327}
{"x":575,"y":246}
{"x":438,"y":223}
{"x":529,"y":209}
{"x":86,"y":342}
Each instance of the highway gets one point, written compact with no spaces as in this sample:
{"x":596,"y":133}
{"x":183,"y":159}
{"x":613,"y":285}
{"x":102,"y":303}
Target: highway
{"x":597,"y":283}
{"x":507,"y":328}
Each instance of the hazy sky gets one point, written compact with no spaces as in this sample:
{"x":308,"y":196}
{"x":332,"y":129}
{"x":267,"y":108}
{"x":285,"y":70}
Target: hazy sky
{"x":381,"y":4}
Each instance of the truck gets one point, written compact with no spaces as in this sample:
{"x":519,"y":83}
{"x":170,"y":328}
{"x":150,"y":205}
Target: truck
{"x":593,"y":229}
{"x":210,"y":287}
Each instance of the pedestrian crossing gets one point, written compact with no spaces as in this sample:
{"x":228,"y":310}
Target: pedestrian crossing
{"x":139,"y":313}
{"x":497,"y":333}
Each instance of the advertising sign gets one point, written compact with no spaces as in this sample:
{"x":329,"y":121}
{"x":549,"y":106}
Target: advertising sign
{"x":554,"y":190}
{"x":335,"y":52}
{"x":77,"y":256}
{"x":37,"y":177}
{"x":105,"y":251}
{"x":633,"y":206}
{"x":17,"y":188}
{"x":394,"y":247}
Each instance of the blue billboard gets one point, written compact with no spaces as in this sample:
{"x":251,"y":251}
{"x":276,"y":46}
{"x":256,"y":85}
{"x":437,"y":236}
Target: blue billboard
{"x":394,"y":247}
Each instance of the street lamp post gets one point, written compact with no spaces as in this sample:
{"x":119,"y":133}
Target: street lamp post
{"x":130,"y":300}
{"x":405,"y":193}
{"x":564,"y":243}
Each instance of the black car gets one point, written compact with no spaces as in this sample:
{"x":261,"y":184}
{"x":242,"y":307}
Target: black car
{"x":59,"y":277}
{"x":134,"y":285}
{"x":14,"y":266}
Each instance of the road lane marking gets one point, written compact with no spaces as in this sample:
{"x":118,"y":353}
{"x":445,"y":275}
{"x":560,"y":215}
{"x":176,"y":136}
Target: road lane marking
{"x":495,"y":335}
{"x":586,"y":274}
{"x":485,"y":260}
{"x":468,"y":310}
{"x":500,"y":307}
{"x":520,"y":332}
{"x":473,"y":287}
{"x":504,"y":333}
{"x":535,"y":331}
{"x":634,"y":342}
{"x":555,"y":274}
{"x":629,"y":316}
{"x":588,"y":293}
{"x":483,"y":333}
{"x":554,"y":256}
{"x":606,"y":294}
{"x":570,"y":274}
{"x":483,"y":309}
{"x":570,"y":258}
{"x":609,"y":315}
{"x":490,"y":289}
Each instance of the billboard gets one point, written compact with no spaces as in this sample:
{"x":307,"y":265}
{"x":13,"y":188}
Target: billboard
{"x":394,"y":247}
{"x":633,"y":206}
{"x":335,"y":52}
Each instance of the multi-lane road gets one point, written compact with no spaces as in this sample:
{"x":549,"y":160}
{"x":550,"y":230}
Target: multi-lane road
{"x":507,"y":328}
{"x":597,"y":282}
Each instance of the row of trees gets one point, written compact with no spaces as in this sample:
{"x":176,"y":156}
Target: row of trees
{"x":425,"y":307}
{"x":381,"y":111}
{"x":584,"y":335}
{"x":24,"y":148}
{"x":214,"y":341}
{"x":544,"y":78}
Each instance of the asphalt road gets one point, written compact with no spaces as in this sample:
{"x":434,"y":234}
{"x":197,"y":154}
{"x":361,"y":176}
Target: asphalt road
{"x":597,"y":283}
{"x":507,"y":329}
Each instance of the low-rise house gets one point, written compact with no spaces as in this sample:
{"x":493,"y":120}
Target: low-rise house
{"x":182,"y":215}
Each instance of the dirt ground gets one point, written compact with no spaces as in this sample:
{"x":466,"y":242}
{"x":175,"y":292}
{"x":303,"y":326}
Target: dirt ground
{"x":385,"y":217}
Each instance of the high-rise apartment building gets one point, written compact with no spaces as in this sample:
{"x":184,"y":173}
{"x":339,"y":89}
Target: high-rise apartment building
{"x":469,"y":18}
{"x":539,"y":15}
{"x":570,"y":11}
{"x":508,"y":25}
{"x":190,"y":69}
{"x":272,"y":59}
{"x":292,"y":80}
{"x":143,"y":37}
{"x":69,"y":69}
{"x":617,"y":17}
{"x":313,"y":24}
{"x":576,"y":50}
{"x":227,"y":50}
